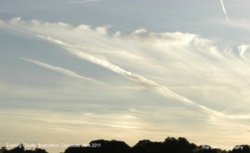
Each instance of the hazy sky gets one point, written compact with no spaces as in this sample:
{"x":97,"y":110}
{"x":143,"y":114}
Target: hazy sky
{"x":72,"y":71}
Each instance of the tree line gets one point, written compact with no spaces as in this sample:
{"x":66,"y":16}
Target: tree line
{"x":170,"y":145}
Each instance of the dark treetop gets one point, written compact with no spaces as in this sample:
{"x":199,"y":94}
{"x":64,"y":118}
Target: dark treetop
{"x":170,"y":145}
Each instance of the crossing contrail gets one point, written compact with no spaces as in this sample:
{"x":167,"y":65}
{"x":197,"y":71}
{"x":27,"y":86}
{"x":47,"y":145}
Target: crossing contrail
{"x":224,"y":10}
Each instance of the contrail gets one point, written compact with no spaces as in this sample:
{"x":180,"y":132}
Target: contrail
{"x":161,"y":89}
{"x":166,"y":92}
{"x":63,"y":71}
{"x":224,"y":10}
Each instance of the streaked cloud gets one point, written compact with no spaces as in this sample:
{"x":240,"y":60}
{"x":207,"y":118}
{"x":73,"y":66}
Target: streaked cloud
{"x":130,"y":75}
{"x":185,"y":69}
{"x":190,"y":51}
{"x":243,"y":50}
{"x":224,"y":10}
{"x":60,"y":70}
{"x":163,"y":90}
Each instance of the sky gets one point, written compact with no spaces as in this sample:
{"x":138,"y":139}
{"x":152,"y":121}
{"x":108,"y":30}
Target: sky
{"x":72,"y":71}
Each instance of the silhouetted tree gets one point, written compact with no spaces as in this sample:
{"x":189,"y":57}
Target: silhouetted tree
{"x":180,"y":145}
{"x":101,"y":146}
{"x":21,"y":149}
{"x":241,"y":149}
{"x":76,"y":149}
{"x":147,"y":146}
{"x":104,"y":146}
{"x":39,"y":150}
{"x":205,"y":149}
{"x":170,"y":145}
{"x":18,"y":149}
{"x":3,"y":149}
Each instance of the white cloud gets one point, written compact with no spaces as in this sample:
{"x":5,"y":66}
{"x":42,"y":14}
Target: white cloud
{"x":241,"y":24}
{"x":180,"y":66}
{"x":224,"y":10}
{"x":190,"y":47}
{"x":243,"y":49}
{"x":132,"y":76}
{"x":186,"y":54}
{"x":57,"y":69}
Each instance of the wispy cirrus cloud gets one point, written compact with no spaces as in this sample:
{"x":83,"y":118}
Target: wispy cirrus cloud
{"x":182,"y":67}
{"x":161,"y":89}
{"x":130,"y":75}
{"x":60,"y":70}
{"x":192,"y":54}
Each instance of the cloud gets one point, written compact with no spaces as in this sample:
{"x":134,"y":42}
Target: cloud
{"x":163,"y":90}
{"x":130,"y":75}
{"x":239,"y":24}
{"x":243,"y":49}
{"x":183,"y":67}
{"x":224,"y":10}
{"x":60,"y":70}
{"x":192,"y":60}
{"x":69,"y":124}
